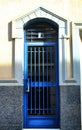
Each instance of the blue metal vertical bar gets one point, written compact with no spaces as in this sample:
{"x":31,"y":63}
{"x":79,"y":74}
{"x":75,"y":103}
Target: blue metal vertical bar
{"x":25,"y":83}
{"x":35,"y":76}
{"x":25,"y":80}
{"x":51,"y":64}
{"x":25,"y":36}
{"x":31,"y":77}
{"x":25,"y":61}
{"x":51,"y":76}
{"x":39,"y":75}
{"x":55,"y":65}
{"x":56,"y":62}
{"x":43,"y":74}
{"x":47,"y":75}
{"x":56,"y":74}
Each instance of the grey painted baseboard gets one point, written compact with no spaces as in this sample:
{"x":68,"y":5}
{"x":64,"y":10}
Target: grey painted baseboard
{"x":70,"y":113}
{"x":11,"y":108}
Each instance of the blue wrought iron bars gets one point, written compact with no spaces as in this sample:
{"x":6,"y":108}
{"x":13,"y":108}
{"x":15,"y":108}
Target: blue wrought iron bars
{"x":41,"y":71}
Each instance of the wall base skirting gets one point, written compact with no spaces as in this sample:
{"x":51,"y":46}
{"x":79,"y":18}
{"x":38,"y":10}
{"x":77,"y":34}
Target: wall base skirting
{"x":11,"y":117}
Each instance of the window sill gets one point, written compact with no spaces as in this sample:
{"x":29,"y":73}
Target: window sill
{"x":71,"y":80}
{"x":9,"y":82}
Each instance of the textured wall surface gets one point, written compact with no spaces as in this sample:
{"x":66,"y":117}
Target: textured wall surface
{"x":11,"y":108}
{"x":70,"y":115}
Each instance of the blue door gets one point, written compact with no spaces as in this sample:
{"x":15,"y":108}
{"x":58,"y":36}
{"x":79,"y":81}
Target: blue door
{"x":41,"y":88}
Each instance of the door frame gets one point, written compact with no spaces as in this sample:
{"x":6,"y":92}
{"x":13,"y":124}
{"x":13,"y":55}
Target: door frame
{"x":25,"y":71}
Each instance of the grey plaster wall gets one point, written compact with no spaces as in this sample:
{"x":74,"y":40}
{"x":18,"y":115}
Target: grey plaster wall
{"x":70,"y":116}
{"x":11,"y":107}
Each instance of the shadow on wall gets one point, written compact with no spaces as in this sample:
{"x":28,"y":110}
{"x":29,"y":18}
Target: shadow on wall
{"x":10,"y":31}
{"x":13,"y":46}
{"x":80,"y":34}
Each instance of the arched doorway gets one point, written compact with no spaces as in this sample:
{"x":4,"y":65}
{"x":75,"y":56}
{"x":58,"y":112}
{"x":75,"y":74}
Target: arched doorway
{"x":41,"y":86}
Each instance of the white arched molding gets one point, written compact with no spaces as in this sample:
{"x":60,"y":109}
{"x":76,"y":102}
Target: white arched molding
{"x":63,"y":42}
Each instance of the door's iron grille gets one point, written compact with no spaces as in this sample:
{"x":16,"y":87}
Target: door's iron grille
{"x":41,"y":101}
{"x":41,"y":32}
{"x":41,"y":72}
{"x":41,"y":64}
